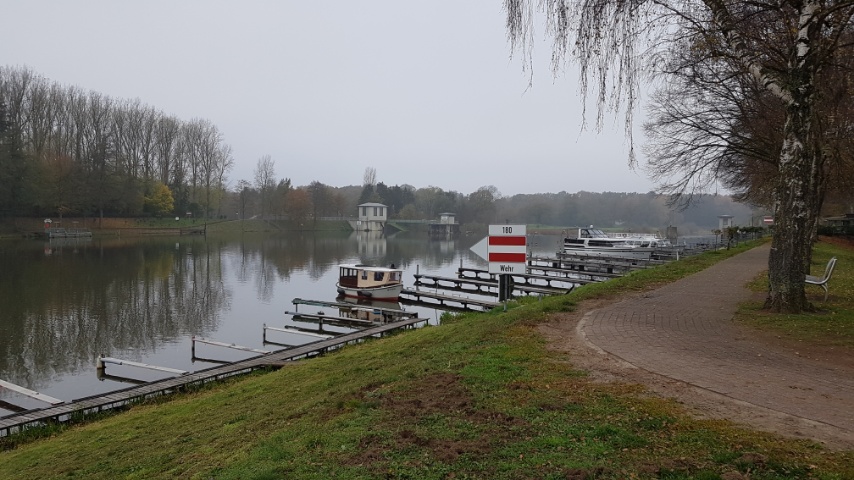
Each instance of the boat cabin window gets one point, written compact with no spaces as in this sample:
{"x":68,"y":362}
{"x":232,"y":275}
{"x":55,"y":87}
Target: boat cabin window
{"x":349,"y":272}
{"x":364,"y":274}
{"x":592,"y":233}
{"x":378,"y":276}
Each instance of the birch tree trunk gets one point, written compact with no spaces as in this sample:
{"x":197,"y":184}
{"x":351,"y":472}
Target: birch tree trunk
{"x":800,"y":187}
{"x":793,"y":217}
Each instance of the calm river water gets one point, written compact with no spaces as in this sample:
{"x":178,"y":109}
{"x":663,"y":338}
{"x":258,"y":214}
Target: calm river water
{"x":62,"y":303}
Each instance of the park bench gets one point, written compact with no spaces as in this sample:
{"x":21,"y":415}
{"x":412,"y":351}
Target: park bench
{"x":828,"y":271}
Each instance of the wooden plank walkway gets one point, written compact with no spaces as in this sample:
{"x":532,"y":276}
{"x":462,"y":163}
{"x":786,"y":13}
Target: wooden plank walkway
{"x":528,"y":278}
{"x":482,"y":286}
{"x":466,"y":302}
{"x":576,"y":276}
{"x":17,"y":422}
{"x":349,"y":306}
{"x":330,"y":319}
{"x":605,"y":267}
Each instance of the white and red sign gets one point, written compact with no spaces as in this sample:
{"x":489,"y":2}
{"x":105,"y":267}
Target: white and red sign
{"x":507,"y":248}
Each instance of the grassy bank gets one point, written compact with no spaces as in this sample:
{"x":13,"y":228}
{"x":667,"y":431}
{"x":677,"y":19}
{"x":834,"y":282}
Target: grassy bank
{"x":831,"y":325}
{"x":477,"y":397}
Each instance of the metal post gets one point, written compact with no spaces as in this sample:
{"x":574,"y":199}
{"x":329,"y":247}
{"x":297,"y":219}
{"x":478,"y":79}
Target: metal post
{"x":504,"y":287}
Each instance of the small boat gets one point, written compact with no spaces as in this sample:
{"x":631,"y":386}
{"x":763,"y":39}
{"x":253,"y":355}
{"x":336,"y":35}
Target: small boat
{"x":369,"y":282}
{"x":592,"y":242}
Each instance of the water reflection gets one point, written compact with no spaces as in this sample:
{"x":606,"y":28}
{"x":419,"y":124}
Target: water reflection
{"x":64,"y":303}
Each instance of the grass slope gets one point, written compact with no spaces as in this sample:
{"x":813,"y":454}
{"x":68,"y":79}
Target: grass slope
{"x":477,"y":397}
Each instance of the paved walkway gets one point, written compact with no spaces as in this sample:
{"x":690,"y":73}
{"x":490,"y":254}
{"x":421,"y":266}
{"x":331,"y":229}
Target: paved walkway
{"x":684,"y":331}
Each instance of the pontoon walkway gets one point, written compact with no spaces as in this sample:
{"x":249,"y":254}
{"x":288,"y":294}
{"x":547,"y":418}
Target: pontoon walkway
{"x":17,"y":422}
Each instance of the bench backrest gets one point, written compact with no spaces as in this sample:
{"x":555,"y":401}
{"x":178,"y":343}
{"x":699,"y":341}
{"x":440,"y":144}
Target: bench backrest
{"x":829,"y":270}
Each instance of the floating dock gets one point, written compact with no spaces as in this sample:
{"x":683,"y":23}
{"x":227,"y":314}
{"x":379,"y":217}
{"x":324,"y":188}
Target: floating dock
{"x":103,"y":361}
{"x":529,"y":278}
{"x":482,"y":286}
{"x":17,"y":422}
{"x":372,"y":312}
{"x":29,"y":393}
{"x":432,"y":298}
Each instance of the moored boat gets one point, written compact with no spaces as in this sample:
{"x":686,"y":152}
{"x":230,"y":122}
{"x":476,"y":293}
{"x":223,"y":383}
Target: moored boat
{"x":592,"y":242}
{"x":369,"y":282}
{"x":643,"y":239}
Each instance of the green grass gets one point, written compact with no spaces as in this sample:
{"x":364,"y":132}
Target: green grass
{"x":477,"y":397}
{"x":832,"y":322}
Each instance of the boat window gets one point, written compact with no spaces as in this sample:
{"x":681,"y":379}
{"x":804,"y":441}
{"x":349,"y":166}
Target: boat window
{"x":378,"y":276}
{"x":364,"y":275}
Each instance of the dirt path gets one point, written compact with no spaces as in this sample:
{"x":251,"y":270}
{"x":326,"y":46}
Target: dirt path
{"x":681,"y":342}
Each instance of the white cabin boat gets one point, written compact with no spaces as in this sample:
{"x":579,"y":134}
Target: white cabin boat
{"x":592,"y":242}
{"x":643,"y":239}
{"x":368,"y":282}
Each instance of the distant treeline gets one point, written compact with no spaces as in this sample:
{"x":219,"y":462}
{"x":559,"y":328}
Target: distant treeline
{"x":64,"y":150}
{"x":628,"y":211}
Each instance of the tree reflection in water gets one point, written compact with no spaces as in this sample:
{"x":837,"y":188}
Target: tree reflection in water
{"x":64,"y":303}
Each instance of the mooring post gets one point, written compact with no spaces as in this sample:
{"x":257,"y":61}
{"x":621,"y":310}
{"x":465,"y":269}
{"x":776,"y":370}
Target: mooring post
{"x":100,"y":363}
{"x":193,"y":346}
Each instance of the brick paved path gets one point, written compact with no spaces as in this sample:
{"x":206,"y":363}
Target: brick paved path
{"x":685,"y":331}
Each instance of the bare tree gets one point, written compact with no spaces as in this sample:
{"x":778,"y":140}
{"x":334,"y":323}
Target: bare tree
{"x":370,"y":177}
{"x":113,"y":149}
{"x":168,"y":129}
{"x":617,"y":42}
{"x":265,"y":181}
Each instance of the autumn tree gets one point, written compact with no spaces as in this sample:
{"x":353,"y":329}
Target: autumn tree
{"x":299,"y":205}
{"x":320,"y":199}
{"x":160,"y":201}
{"x":784,"y":47}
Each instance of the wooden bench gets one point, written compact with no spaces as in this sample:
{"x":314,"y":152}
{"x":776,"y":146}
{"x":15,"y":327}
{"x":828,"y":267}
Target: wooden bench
{"x":822,"y":281}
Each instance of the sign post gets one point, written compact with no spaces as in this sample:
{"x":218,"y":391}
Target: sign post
{"x":507,"y":252}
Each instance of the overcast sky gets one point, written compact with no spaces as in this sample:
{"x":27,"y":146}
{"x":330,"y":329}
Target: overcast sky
{"x":424,"y":92}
